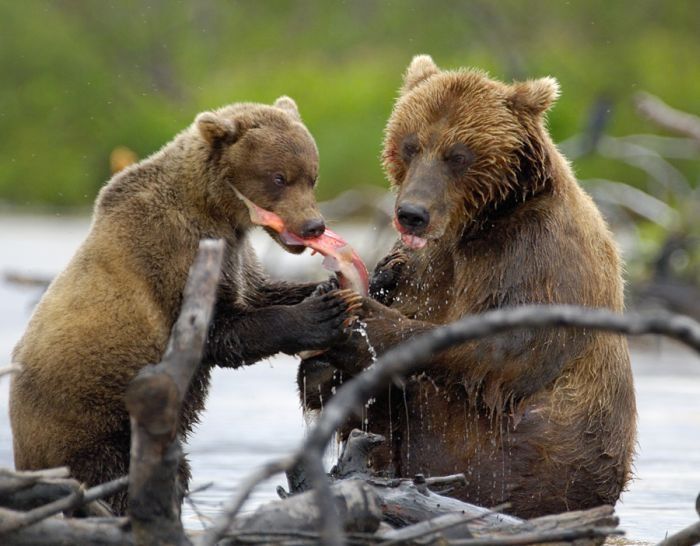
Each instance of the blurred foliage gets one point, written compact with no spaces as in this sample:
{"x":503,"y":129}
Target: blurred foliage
{"x":81,"y":77}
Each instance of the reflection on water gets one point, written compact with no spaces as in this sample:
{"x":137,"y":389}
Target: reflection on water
{"x":253,"y":414}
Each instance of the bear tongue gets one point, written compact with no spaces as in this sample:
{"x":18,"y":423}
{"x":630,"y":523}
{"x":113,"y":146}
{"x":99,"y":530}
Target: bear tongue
{"x":413,"y":241}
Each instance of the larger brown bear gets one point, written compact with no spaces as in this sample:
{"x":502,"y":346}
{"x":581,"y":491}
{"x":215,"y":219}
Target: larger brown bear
{"x":491,"y":216}
{"x":111,"y":311}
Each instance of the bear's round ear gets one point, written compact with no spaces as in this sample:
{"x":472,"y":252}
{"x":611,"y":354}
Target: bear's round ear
{"x":535,"y":96}
{"x":420,"y":69}
{"x":288,"y":105}
{"x":215,"y":129}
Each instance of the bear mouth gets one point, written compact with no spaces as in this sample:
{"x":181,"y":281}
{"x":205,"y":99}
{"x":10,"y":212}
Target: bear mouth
{"x":411,"y":240}
{"x":414,"y":242}
{"x":291,"y":248}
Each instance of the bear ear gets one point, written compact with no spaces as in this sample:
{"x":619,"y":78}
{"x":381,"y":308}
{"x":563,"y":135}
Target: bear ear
{"x":288,"y":105}
{"x":420,"y":69}
{"x":535,"y":96}
{"x":215,"y":129}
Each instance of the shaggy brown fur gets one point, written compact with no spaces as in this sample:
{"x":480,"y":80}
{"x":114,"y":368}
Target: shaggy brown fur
{"x":111,"y":311}
{"x":544,"y":420}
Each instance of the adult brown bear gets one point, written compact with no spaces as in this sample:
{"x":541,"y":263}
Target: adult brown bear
{"x":491,"y":216}
{"x":111,"y":311}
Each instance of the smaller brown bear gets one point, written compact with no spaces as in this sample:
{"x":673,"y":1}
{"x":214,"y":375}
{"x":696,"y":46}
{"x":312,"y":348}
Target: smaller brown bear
{"x":491,"y":217}
{"x":111,"y":310}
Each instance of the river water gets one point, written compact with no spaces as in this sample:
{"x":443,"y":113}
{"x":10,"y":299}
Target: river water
{"x":253,"y":414}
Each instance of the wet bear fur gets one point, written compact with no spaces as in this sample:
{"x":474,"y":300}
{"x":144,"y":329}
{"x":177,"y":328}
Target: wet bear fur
{"x":542,"y":419}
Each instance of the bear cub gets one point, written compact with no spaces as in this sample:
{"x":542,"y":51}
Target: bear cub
{"x":111,"y":310}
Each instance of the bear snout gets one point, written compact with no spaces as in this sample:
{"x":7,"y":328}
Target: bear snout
{"x":413,"y":218}
{"x":313,"y":228}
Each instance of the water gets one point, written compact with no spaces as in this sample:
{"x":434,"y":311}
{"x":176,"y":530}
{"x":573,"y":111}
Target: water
{"x":253,"y":414}
{"x":361,"y":328}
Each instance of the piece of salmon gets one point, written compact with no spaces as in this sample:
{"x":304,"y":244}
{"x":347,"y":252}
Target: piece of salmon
{"x":338,"y":256}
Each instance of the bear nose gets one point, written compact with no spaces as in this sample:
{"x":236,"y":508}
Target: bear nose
{"x":413,"y":217}
{"x":313,"y":228}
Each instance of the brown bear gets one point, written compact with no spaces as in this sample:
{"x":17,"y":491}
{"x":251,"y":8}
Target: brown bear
{"x":111,"y":310}
{"x":491,"y":217}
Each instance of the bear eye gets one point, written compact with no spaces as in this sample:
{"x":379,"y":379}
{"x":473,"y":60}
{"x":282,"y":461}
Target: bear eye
{"x":410,"y":148}
{"x":409,"y":151}
{"x":459,"y":157}
{"x":280,"y":180}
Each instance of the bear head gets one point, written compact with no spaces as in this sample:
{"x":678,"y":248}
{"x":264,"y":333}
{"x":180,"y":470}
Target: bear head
{"x":268,"y":155}
{"x":460,"y":147}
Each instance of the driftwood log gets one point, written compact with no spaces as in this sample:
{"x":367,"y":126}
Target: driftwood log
{"x":351,"y":506}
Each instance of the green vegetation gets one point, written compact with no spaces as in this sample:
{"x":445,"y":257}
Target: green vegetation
{"x":82,"y":77}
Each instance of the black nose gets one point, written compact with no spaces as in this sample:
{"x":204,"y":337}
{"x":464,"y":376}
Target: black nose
{"x":313,"y":228}
{"x":413,"y":217}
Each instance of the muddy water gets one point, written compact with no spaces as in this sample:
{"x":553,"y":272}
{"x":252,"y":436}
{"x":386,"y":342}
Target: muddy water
{"x":253,"y":414}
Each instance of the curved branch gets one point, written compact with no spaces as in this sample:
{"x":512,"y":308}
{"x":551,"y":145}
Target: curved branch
{"x":666,"y":117}
{"x":412,"y":355}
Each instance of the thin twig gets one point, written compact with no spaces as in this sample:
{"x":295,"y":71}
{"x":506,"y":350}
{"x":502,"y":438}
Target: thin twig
{"x":199,"y":489}
{"x":441,"y":481}
{"x":217,"y":531}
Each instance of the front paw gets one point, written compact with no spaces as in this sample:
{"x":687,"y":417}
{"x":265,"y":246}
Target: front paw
{"x":323,"y":319}
{"x":332,"y":283}
{"x":386,"y":275}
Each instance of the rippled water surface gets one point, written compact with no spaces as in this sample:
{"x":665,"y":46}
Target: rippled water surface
{"x":253,"y":414}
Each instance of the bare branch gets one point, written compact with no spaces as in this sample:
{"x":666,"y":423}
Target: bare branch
{"x":23,"y":519}
{"x":15,"y":480}
{"x":436,"y":525}
{"x":12,"y":368}
{"x":411,"y":356}
{"x":154,"y":398}
{"x":217,"y":531}
{"x":442,"y":481}
{"x":677,"y":121}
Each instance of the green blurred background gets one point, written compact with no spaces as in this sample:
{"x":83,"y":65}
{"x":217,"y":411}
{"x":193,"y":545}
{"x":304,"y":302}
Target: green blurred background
{"x":83,"y":77}
{"x":80,"y":78}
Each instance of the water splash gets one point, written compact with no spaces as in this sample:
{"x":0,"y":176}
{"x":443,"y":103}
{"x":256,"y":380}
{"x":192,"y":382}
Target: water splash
{"x":361,"y":328}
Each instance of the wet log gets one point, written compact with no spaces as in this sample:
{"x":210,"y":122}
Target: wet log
{"x":410,"y":501}
{"x":12,"y":521}
{"x":16,"y":480}
{"x":355,"y":502}
{"x":154,"y":399}
{"x":28,"y":490}
{"x":87,"y":532}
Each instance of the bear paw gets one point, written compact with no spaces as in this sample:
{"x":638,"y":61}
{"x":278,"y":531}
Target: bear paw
{"x":386,"y":276}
